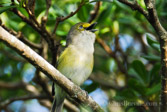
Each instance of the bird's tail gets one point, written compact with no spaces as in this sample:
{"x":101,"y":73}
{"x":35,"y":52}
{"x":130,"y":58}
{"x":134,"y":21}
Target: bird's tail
{"x":60,"y":95}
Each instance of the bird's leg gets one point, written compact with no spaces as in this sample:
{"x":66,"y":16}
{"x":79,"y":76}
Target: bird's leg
{"x":53,"y":89}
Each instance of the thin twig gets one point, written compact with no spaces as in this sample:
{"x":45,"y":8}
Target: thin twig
{"x":135,"y":6}
{"x":23,"y":38}
{"x":94,"y":13}
{"x":31,"y":6}
{"x":70,"y":106}
{"x":12,"y":85}
{"x":29,"y":43}
{"x":45,"y":17}
{"x":111,"y":53}
{"x":105,"y":46}
{"x":105,"y":81}
{"x":60,"y":19}
{"x":34,"y":24}
{"x":28,"y":97}
{"x":11,"y":55}
{"x":43,"y":32}
{"x":43,"y":83}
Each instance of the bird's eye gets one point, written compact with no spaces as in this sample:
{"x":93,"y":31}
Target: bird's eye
{"x":80,"y":27}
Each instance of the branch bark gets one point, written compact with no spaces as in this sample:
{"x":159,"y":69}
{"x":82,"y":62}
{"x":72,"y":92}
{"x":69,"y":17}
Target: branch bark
{"x":74,"y":91}
{"x":153,"y":18}
{"x":12,"y":85}
{"x":135,"y":6}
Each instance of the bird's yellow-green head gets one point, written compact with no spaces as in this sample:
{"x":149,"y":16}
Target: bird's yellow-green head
{"x":85,"y":26}
{"x":82,"y":36}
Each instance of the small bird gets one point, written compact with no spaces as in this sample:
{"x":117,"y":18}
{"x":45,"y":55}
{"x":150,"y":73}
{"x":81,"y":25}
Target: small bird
{"x":76,"y":61}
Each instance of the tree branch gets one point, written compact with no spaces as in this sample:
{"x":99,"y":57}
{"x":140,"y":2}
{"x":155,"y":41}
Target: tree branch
{"x":42,"y":82}
{"x":12,"y":85}
{"x":111,"y":53}
{"x":42,"y":32}
{"x":45,"y":17}
{"x":5,"y":103}
{"x":135,"y":6}
{"x":70,"y":106}
{"x":74,"y":91}
{"x":153,"y":18}
{"x":105,"y":81}
{"x":94,"y":13}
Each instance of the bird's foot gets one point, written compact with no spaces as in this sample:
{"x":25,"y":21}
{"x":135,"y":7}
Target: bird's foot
{"x":87,"y":95}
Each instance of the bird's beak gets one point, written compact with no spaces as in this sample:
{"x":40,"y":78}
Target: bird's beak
{"x":90,"y":28}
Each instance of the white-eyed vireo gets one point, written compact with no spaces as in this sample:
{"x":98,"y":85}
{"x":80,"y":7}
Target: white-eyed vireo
{"x":76,"y":61}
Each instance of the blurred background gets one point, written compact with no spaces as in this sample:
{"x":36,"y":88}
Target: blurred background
{"x":126,"y":70}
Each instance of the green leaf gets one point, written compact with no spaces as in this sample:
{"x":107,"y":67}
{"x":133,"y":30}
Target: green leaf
{"x":153,"y":43}
{"x":23,"y":3}
{"x":156,"y":46}
{"x":83,"y":13}
{"x":91,"y":87}
{"x":156,"y":88}
{"x":139,"y":68}
{"x":104,"y":14}
{"x":3,"y":9}
{"x":154,"y":73}
{"x":151,"y":57}
{"x":141,"y":3}
{"x":131,"y":109}
{"x":126,"y":94}
{"x":63,"y":42}
{"x":150,"y":40}
{"x":61,"y":33}
{"x":101,"y":0}
{"x":122,"y":6}
{"x":136,"y":85}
